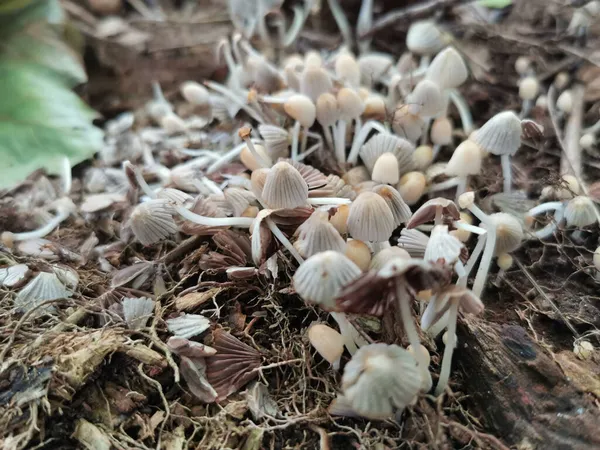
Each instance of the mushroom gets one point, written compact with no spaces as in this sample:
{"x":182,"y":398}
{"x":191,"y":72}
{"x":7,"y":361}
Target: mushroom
{"x":327,"y":114}
{"x":351,"y":106}
{"x":303,"y":111}
{"x":501,"y":135}
{"x":465,"y":161}
{"x":317,"y":235}
{"x":451,"y":299}
{"x":359,"y":253}
{"x":412,"y":187}
{"x":260,"y":159}
{"x":370,"y":218}
{"x":387,"y":157}
{"x":152,"y":221}
{"x":435,"y":209}
{"x":327,"y":342}
{"x":379,"y":379}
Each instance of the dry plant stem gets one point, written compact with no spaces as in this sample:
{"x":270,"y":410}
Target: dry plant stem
{"x":545,"y":297}
{"x":158,"y":387}
{"x":570,"y":162}
{"x":448,"y":350}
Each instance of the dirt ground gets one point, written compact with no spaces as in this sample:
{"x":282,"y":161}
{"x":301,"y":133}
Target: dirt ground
{"x":79,"y":378}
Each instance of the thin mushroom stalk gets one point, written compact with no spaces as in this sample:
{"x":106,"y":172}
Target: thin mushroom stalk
{"x":448,"y":349}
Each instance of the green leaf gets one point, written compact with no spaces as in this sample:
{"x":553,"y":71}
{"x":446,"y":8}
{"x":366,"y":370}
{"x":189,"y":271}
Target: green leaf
{"x":495,"y":4}
{"x":16,"y":14}
{"x":41,"y":120}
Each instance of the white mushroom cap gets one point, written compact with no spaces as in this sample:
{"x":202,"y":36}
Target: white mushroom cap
{"x":387,"y":143}
{"x":247,"y":157}
{"x":529,"y":88}
{"x":321,"y":277}
{"x":347,"y":70}
{"x":313,"y":59}
{"x":152,"y":221}
{"x":44,"y":287}
{"x":400,"y":210}
{"x":426,"y":99}
{"x":424,"y":37}
{"x":380,"y":378}
{"x":580,"y":212}
{"x":350,"y":104}
{"x":195,"y":93}
{"x":565,"y":101}
{"x":466,"y":160}
{"x":386,"y":169}
{"x":317,"y":235}
{"x":327,"y":342}
{"x":448,"y":69}
{"x":299,"y":107}
{"x":382,"y":257}
{"x":327,"y":109}
{"x":314,"y":82}
{"x":407,"y":125}
{"x":442,"y":245}
{"x":276,"y":139}
{"x":284,"y":187}
{"x":422,"y":157}
{"x":137,"y":311}
{"x":414,"y":242}
{"x":441,"y":131}
{"x":509,"y":232}
{"x":370,"y":218}
{"x":500,"y":135}
{"x":373,"y":66}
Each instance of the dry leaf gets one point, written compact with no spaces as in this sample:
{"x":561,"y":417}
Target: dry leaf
{"x":585,"y":375}
{"x":192,"y":300}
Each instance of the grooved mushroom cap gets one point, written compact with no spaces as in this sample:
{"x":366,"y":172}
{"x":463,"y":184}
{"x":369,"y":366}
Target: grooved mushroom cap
{"x":152,"y":221}
{"x":284,"y":187}
{"x":277,"y":140}
{"x":400,"y":210}
{"x":321,"y":277}
{"x":315,"y":81}
{"x":442,"y":245}
{"x":580,"y":212}
{"x":426,"y":99}
{"x":374,"y":65}
{"x":501,"y":135}
{"x":327,"y":109}
{"x":426,"y":213}
{"x":509,"y":232}
{"x":424,"y":37}
{"x":317,"y":235}
{"x":299,"y":107}
{"x":448,"y":69}
{"x":350,"y":104}
{"x":379,"y":379}
{"x":414,"y":242}
{"x":387,"y":143}
{"x":370,"y":218}
{"x":466,"y":160}
{"x":468,"y":302}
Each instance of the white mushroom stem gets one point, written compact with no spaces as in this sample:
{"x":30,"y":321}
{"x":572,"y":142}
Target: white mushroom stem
{"x":468,"y":227}
{"x":361,"y":137}
{"x":449,"y":349}
{"x":226,"y":158}
{"x":257,"y":156}
{"x":40,"y":232}
{"x":340,"y":141}
{"x":140,"y":180}
{"x":463,"y":110}
{"x":506,"y":172}
{"x":544,"y":207}
{"x":475,"y":254}
{"x":345,"y":331}
{"x":329,"y":201}
{"x":439,"y":216}
{"x":310,"y":151}
{"x":226,"y":47}
{"x":235,"y":98}
{"x":241,"y":222}
{"x":559,"y":212}
{"x":486,"y":262}
{"x":463,"y":276}
{"x":447,"y":184}
{"x":328,"y":137}
{"x":295,"y":140}
{"x":341,"y":21}
{"x":461,"y":187}
{"x":67,"y":177}
{"x":364,"y":24}
{"x":300,"y":16}
{"x":283,"y":239}
{"x":410,"y":329}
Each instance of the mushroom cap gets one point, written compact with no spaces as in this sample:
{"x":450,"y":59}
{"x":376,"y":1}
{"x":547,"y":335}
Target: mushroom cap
{"x":412,"y":187}
{"x":422,"y":157}
{"x":347,"y":70}
{"x":327,"y":109}
{"x":580,"y":212}
{"x":380,"y":378}
{"x":448,"y":69}
{"x":359,"y":253}
{"x":386,"y":169}
{"x":249,"y":161}
{"x":426,"y":213}
{"x":370,"y":218}
{"x":375,"y":107}
{"x":529,"y":87}
{"x":501,"y":135}
{"x":385,"y":255}
{"x":466,"y":160}
{"x":400,"y":210}
{"x":373,"y":66}
{"x":350,"y":104}
{"x":321,"y":277}
{"x":443,"y":246}
{"x":327,"y":342}
{"x":284,"y":187}
{"x":509,"y":232}
{"x":441,"y":131}
{"x":152,"y":221}
{"x":407,"y":125}
{"x":276,"y":139}
{"x":299,"y":107}
{"x":258,"y":178}
{"x":426,"y":99}
{"x":414,"y":242}
{"x":317,"y":235}
{"x":195,"y":93}
{"x":387,"y":143}
{"x":424,"y":37}
{"x":315,"y":81}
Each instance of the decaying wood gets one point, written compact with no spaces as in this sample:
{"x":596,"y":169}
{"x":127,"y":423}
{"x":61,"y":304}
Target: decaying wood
{"x":520,"y":391}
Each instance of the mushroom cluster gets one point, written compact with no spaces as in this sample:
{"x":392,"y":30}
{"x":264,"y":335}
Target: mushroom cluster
{"x":359,"y":211}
